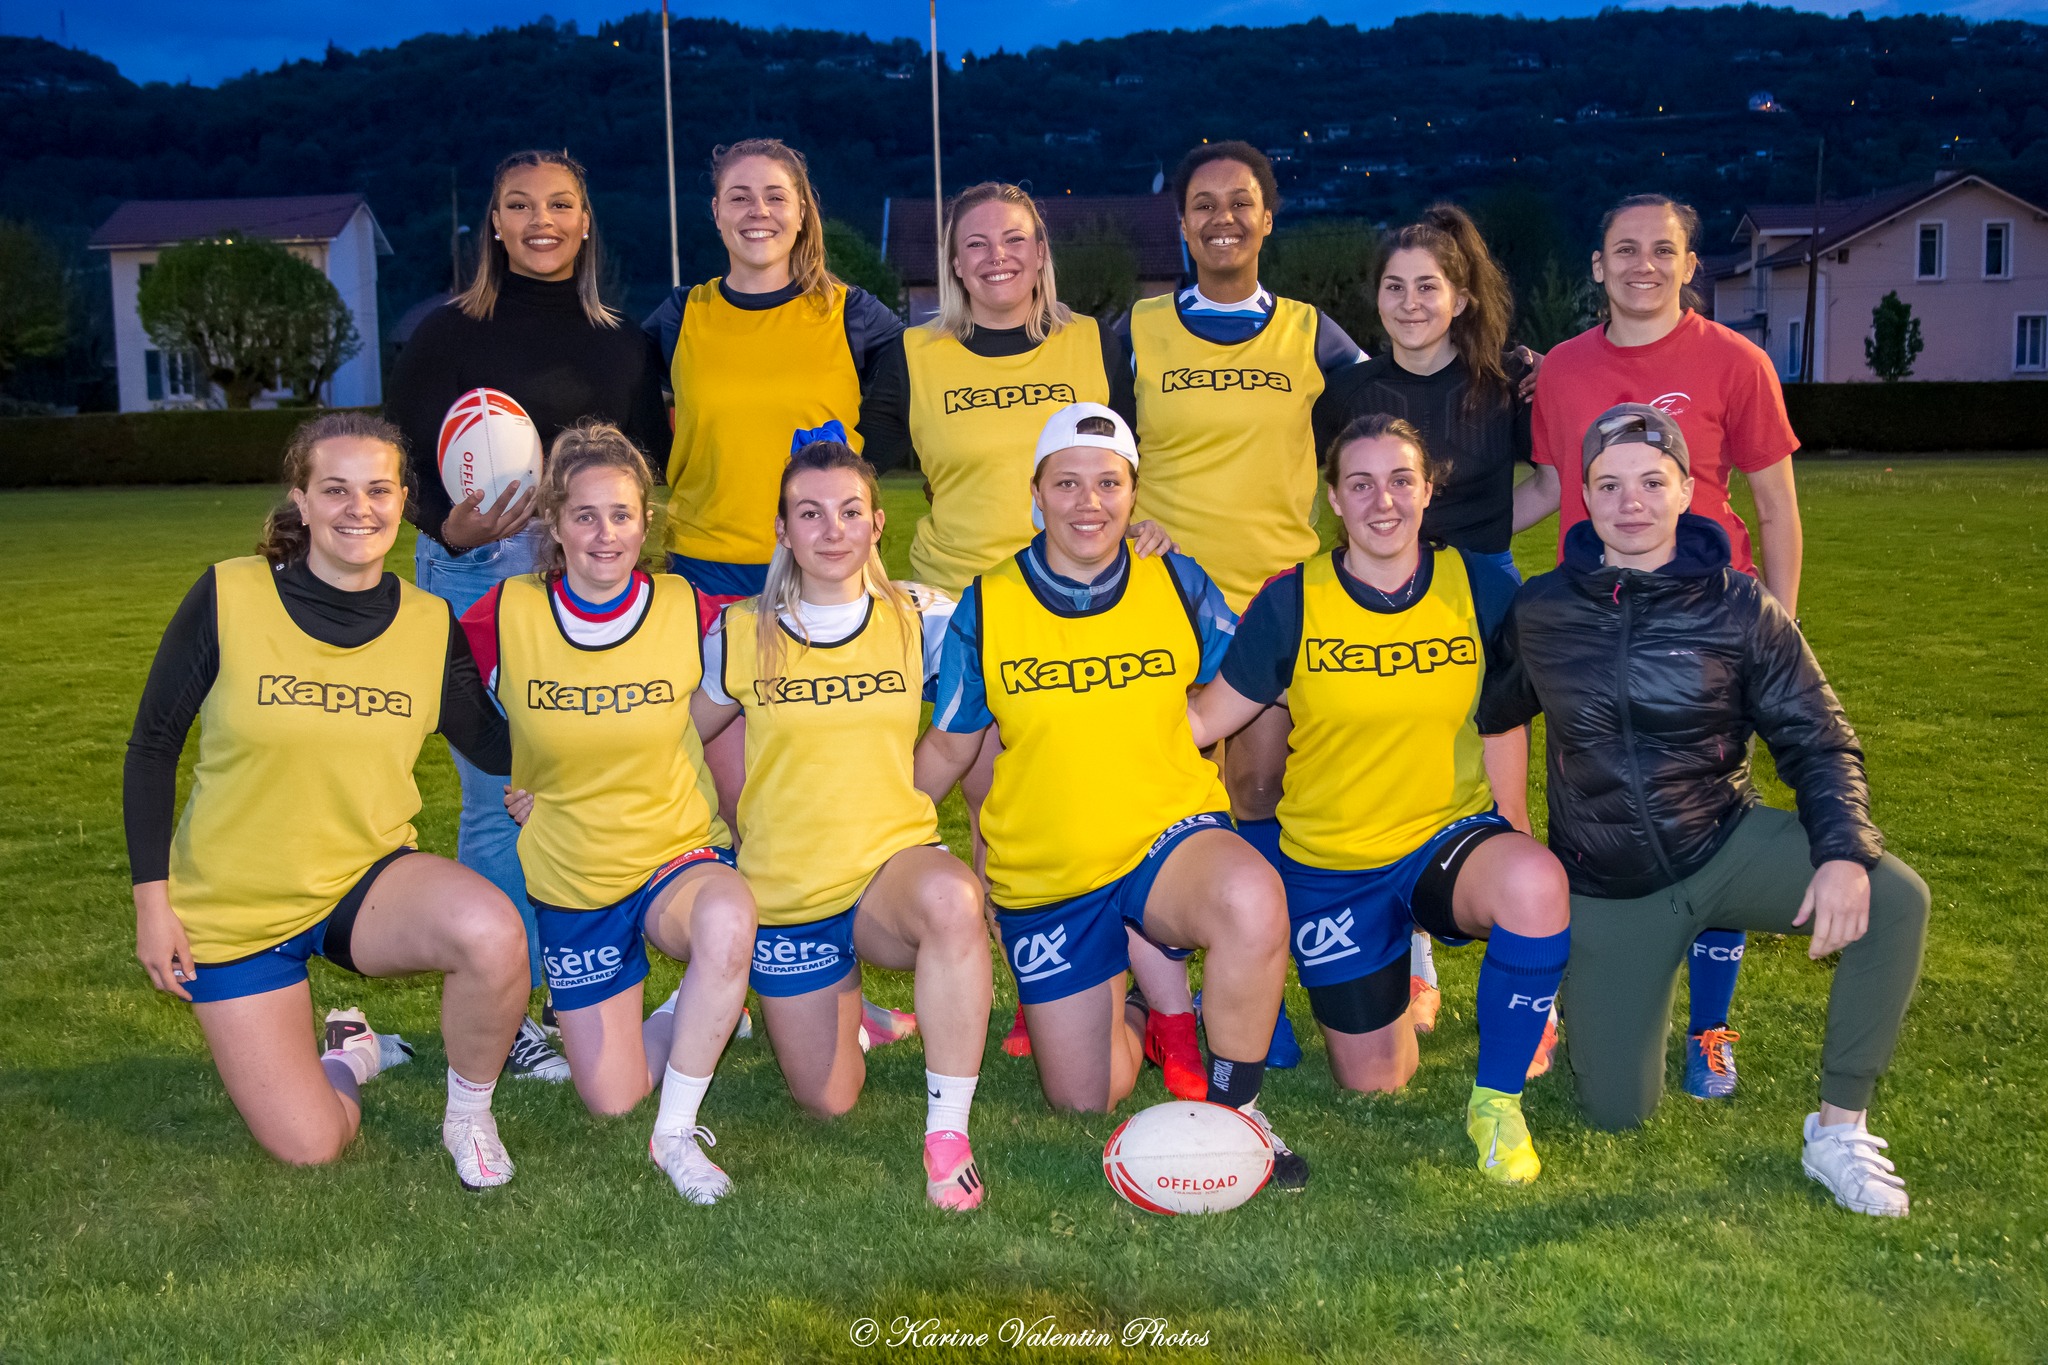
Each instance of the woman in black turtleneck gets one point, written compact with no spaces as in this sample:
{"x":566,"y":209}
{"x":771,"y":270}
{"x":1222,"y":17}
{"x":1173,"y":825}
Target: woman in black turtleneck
{"x":530,"y":325}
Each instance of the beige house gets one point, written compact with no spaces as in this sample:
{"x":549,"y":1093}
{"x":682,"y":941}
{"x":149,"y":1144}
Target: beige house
{"x":1970,"y":258}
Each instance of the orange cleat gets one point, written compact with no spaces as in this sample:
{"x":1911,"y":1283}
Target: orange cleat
{"x":1017,"y":1042}
{"x":1170,"y":1044}
{"x":1546,"y":1049}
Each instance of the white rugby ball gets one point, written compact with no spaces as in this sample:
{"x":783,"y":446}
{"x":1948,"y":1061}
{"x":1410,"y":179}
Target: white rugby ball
{"x":1188,"y":1157}
{"x":487,"y":441}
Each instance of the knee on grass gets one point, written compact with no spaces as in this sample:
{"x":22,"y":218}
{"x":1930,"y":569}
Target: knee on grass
{"x":318,"y":1148}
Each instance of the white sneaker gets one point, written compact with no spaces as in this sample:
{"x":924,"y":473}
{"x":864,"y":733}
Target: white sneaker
{"x":696,"y":1177}
{"x":480,"y":1157}
{"x":349,"y":1033}
{"x":1850,"y":1161}
{"x":532,"y":1058}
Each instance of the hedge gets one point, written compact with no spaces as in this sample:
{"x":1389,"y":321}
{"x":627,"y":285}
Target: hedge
{"x":1909,"y":416}
{"x":214,"y":446}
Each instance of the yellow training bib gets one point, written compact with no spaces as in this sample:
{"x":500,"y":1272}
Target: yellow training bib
{"x":1384,"y":752}
{"x":603,"y":740}
{"x":830,"y":733}
{"x":1098,"y":759}
{"x":745,"y":382}
{"x":306,"y":752}
{"x":1229,"y":463}
{"x":975,"y":423}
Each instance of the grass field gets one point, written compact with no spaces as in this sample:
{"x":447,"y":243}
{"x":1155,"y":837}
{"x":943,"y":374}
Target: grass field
{"x":138,"y":1220}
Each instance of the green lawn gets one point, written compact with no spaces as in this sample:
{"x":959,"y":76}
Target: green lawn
{"x":137,"y":1219}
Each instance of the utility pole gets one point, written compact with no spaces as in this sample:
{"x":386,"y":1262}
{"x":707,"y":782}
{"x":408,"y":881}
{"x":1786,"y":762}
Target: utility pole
{"x":1812,"y":268}
{"x":938,"y":183}
{"x":668,"y":130}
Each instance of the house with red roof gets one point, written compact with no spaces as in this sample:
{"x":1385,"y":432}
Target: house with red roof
{"x":336,"y":233}
{"x":1970,"y":258}
{"x":1147,"y":222}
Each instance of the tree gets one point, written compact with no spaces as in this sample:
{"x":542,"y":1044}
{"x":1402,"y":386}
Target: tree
{"x":34,"y":307}
{"x":853,"y":258}
{"x":250,"y":313}
{"x":1894,"y":339}
{"x":1556,"y":309}
{"x":1097,"y":270}
{"x":1330,"y":263}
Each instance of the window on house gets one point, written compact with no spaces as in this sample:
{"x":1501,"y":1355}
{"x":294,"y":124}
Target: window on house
{"x":1929,"y":266}
{"x":1794,"y":353}
{"x":2030,"y":342}
{"x":1998,"y":251}
{"x":169,"y":375}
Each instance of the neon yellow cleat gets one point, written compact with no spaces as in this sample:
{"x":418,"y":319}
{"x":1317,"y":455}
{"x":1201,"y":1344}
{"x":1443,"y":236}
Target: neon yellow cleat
{"x":1493,"y":1119}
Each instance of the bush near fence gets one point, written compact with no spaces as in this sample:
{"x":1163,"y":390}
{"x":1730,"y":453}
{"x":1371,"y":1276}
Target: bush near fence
{"x":208,"y":446}
{"x":245,"y":447}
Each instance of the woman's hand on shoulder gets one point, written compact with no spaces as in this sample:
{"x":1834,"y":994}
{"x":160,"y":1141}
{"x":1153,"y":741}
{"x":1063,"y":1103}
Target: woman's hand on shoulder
{"x":1150,"y":540}
{"x":1838,"y":902}
{"x":160,"y":942}
{"x":1532,"y":361}
{"x":518,"y":804}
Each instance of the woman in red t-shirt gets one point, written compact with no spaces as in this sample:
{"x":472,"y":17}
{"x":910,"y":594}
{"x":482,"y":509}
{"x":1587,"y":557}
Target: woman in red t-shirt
{"x":1653,"y":348}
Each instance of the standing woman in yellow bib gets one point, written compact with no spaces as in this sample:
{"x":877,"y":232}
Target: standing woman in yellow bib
{"x":596,"y":663}
{"x":830,"y":666}
{"x":316,"y":676}
{"x":1227,"y":376}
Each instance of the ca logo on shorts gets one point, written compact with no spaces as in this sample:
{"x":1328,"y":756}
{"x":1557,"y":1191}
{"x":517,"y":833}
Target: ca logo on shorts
{"x":1326,"y":938}
{"x":1038,"y":956}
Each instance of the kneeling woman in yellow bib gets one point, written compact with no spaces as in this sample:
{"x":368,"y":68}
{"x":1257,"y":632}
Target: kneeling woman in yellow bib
{"x":596,"y":662}
{"x":842,"y":850}
{"x":1378,"y":649}
{"x":1103,"y":813}
{"x":316,"y":676}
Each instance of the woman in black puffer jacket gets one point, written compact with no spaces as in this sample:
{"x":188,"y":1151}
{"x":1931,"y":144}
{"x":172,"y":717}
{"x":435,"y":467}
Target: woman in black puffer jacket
{"x":1654,"y":662}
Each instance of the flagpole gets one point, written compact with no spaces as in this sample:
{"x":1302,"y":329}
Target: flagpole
{"x":668,"y":128}
{"x":938,"y":184}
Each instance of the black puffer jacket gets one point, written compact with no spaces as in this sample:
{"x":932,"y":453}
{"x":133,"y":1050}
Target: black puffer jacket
{"x":1651,"y":685}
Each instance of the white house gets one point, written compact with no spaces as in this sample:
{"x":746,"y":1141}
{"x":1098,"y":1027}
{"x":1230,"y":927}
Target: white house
{"x":1970,"y":258}
{"x":337,"y":233}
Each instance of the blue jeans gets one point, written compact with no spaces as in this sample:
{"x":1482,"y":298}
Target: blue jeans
{"x":487,"y":841}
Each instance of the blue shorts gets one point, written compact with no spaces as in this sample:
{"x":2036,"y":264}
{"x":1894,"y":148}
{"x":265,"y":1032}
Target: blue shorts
{"x":796,"y":959}
{"x":1067,"y":947}
{"x":284,"y":964}
{"x":1343,"y":925}
{"x":590,"y":956}
{"x":715,"y":578}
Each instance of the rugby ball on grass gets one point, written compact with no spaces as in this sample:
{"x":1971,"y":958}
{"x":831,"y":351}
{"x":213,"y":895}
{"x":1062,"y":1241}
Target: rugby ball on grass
{"x":1187,"y":1157}
{"x":487,"y":441}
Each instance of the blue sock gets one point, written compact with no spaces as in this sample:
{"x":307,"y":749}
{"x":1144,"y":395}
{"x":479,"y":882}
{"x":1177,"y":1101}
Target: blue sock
{"x":1716,"y":962}
{"x":1517,"y":985}
{"x":1263,"y":835}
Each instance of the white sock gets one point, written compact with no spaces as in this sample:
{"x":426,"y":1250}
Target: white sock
{"x":668,"y":1006}
{"x":947,"y":1100}
{"x":466,"y":1096}
{"x":1422,"y":957}
{"x":680,"y":1096}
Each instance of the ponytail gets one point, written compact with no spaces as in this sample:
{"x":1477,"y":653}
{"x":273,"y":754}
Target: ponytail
{"x":285,"y":539}
{"x":1480,"y":333}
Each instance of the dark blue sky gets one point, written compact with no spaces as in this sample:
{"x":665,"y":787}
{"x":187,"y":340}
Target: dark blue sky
{"x":208,"y":40}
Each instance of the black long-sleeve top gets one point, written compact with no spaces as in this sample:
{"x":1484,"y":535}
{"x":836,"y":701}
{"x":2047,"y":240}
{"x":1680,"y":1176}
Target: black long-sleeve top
{"x":188,"y":661}
{"x":885,"y":396}
{"x":537,"y":346}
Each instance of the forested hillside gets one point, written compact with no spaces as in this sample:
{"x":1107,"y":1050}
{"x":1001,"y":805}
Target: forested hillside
{"x":1539,"y":123}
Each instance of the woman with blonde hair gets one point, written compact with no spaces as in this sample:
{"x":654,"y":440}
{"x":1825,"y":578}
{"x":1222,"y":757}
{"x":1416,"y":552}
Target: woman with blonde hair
{"x":830,"y":666}
{"x":595,"y":662}
{"x":962,"y":398}
{"x":315,"y":672}
{"x":533,"y":326}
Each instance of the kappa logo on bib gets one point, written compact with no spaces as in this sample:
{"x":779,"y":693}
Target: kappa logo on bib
{"x":1424,"y":656}
{"x":285,"y":689}
{"x":1326,"y":938}
{"x":542,"y":695}
{"x":1038,"y":956}
{"x":1222,"y":381}
{"x":825,"y":691}
{"x":1007,"y":396}
{"x":1081,"y":675}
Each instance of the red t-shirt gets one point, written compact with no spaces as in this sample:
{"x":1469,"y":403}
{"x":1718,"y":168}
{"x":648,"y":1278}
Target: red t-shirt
{"x":1718,"y":384}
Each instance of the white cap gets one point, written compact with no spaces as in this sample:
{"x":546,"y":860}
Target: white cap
{"x":1059,"y":433}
